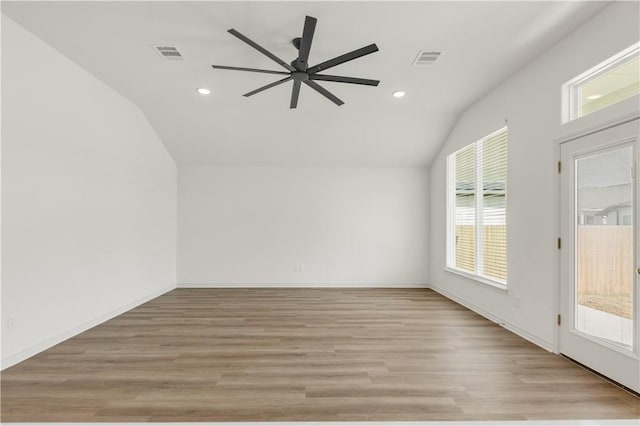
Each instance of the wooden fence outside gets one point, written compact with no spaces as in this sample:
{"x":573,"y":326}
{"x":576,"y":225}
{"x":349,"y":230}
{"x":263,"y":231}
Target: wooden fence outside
{"x":605,"y":259}
{"x":605,"y":256}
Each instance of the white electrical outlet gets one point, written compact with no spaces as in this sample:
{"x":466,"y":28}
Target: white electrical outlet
{"x":298,"y":267}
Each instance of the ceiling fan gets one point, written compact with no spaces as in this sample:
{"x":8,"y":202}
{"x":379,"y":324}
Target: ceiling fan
{"x":299,"y":71}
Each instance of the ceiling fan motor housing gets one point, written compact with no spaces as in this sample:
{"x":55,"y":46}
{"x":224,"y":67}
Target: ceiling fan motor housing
{"x":299,"y":76}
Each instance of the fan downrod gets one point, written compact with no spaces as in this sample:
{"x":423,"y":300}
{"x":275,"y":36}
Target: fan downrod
{"x":296,"y":43}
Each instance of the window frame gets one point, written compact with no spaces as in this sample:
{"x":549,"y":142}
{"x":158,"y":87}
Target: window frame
{"x":450,"y":231}
{"x":571,"y":98}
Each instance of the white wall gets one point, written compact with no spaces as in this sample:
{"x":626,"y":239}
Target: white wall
{"x":531,"y":101}
{"x":347,"y":226}
{"x":88,"y":199}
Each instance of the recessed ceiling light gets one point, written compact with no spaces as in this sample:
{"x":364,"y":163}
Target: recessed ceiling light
{"x":203,"y":91}
{"x":592,"y":97}
{"x":399,"y":94}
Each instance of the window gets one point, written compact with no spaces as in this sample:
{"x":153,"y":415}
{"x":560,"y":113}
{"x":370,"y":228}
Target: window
{"x":607,"y":83}
{"x":477,"y":209}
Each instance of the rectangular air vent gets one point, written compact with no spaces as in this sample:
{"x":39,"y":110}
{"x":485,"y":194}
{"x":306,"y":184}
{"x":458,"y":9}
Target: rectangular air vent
{"x":426,"y":57}
{"x":170,"y":53}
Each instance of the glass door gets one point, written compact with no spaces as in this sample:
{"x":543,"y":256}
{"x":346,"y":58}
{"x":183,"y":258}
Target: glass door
{"x":599,"y":306}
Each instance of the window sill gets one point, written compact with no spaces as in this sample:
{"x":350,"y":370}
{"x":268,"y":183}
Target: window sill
{"x":478,"y":279}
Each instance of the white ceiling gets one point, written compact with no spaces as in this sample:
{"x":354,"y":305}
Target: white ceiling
{"x":482,"y":43}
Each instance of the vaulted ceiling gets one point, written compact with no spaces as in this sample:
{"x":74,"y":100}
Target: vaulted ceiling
{"x":482,"y":43}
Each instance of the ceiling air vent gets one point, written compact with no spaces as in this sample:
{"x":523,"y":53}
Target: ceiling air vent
{"x":426,"y":57}
{"x":170,"y":53}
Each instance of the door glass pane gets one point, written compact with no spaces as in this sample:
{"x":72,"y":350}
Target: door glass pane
{"x":604,"y":246}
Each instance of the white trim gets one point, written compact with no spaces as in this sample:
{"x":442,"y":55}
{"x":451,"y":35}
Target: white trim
{"x":544,"y":344}
{"x":557,"y":264}
{"x":303,"y":285}
{"x":478,"y":278}
{"x":614,"y":346}
{"x":450,"y":213}
{"x":604,"y":125}
{"x":46,"y":344}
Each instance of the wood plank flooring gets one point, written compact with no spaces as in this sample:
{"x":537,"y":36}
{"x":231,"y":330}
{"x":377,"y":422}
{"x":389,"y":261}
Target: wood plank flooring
{"x":303,"y":354}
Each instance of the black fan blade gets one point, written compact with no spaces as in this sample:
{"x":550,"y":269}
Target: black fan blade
{"x":268,"y":86}
{"x":343,"y":58}
{"x":305,"y":43}
{"x":339,"y":79}
{"x":294,"y":94}
{"x":324,"y":92}
{"x":222,"y":67}
{"x":261,"y":49}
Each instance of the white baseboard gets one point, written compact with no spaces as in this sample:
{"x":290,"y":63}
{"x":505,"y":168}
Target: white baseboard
{"x":36,"y":349}
{"x":303,"y":285}
{"x":544,"y":344}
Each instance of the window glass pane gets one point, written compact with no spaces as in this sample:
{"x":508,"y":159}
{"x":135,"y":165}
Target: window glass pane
{"x":494,"y":206}
{"x":612,"y":86}
{"x":465,"y":209}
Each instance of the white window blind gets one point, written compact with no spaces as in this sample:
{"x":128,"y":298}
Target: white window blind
{"x":477,"y":208}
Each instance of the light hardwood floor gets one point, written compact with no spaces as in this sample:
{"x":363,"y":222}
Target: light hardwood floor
{"x":303,"y":354}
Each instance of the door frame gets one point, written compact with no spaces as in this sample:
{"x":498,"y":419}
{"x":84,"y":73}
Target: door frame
{"x":585,"y":131}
